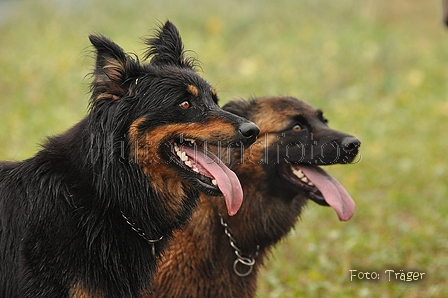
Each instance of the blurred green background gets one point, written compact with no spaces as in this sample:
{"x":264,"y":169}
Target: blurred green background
{"x":379,"y":70}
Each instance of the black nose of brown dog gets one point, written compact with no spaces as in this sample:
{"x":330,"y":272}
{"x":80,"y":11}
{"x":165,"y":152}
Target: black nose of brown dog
{"x":350,"y":145}
{"x":249,"y":131}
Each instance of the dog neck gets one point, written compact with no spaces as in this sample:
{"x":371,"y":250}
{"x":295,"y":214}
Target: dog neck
{"x":200,"y":260}
{"x":247,"y":261}
{"x":142,"y":234}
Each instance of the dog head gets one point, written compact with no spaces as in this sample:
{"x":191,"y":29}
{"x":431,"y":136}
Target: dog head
{"x":160,"y":115}
{"x":294,"y":142}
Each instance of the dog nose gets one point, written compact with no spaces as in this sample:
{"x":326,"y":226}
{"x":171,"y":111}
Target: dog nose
{"x":350,"y":145}
{"x":249,"y":130}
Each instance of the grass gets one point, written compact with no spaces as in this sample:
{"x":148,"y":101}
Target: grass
{"x":377,"y":68}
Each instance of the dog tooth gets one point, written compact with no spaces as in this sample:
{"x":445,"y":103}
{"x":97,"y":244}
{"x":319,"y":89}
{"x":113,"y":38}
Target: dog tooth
{"x":188,"y":163}
{"x":310,"y":183}
{"x":299,"y":173}
{"x":195,"y":170}
{"x":304,"y":179}
{"x":189,"y":140}
{"x":184,"y":156}
{"x":214,"y":182}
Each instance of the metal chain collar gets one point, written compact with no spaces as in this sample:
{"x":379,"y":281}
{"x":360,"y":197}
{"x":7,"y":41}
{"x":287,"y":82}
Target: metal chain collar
{"x":142,"y":234}
{"x":248,"y":261}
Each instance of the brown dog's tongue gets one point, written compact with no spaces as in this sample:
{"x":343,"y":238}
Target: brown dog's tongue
{"x":211,"y":166}
{"x":334,"y":193}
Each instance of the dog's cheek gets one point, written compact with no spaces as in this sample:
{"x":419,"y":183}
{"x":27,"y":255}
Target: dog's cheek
{"x":165,"y":181}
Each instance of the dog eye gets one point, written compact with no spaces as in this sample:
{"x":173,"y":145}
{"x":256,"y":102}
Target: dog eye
{"x":185,"y":104}
{"x":297,"y":127}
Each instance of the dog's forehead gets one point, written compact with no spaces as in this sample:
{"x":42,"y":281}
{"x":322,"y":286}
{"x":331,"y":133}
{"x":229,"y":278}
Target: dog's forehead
{"x":275,"y":113}
{"x":289,"y":107}
{"x":199,"y":87}
{"x":195,"y":84}
{"x":175,"y":75}
{"x":173,"y":78}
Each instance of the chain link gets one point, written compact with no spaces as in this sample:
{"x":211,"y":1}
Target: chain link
{"x":142,"y":234}
{"x":248,"y":261}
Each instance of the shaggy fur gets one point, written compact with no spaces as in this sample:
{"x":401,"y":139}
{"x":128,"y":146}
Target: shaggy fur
{"x":77,"y":219}
{"x":200,"y":260}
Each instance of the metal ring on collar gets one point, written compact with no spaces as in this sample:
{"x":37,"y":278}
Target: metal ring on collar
{"x":242,"y":274}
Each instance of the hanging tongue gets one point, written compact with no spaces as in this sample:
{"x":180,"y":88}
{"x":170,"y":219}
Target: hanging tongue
{"x":211,"y":166}
{"x":334,"y":193}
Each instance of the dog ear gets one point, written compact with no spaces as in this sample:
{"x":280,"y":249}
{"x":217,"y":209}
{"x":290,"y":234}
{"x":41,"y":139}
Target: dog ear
{"x":167,"y":48}
{"x":239,"y":107}
{"x":114,"y":69}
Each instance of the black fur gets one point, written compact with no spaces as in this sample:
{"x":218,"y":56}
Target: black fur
{"x":62,"y":233}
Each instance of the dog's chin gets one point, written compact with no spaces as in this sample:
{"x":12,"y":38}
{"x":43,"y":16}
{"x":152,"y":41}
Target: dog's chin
{"x":301,"y":184}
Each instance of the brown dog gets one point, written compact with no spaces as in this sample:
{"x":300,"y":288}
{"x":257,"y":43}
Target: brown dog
{"x":218,"y":255}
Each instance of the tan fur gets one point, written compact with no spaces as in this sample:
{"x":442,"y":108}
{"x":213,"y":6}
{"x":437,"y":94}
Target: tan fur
{"x":272,"y":122}
{"x":193,"y":90}
{"x":78,"y":291}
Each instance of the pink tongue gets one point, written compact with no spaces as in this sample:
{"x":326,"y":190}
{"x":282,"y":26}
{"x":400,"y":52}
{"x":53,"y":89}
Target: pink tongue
{"x":334,"y":193}
{"x":211,"y":166}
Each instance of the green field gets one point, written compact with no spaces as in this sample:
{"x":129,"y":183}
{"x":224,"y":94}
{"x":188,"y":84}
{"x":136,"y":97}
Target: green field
{"x":379,"y":70}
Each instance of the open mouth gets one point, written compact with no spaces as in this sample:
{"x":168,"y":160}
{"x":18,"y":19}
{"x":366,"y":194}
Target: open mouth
{"x":320,"y":187}
{"x":206,"y":171}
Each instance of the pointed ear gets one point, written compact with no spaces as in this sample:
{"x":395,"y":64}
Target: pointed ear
{"x":240,"y":107}
{"x":114,"y":70}
{"x":166,"y":48}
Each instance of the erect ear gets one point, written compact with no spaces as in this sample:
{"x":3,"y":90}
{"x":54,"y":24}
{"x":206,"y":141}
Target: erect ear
{"x":114,"y":70}
{"x":166,"y":48}
{"x":240,"y":107}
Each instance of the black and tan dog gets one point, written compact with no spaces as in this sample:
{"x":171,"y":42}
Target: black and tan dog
{"x":219,"y":256}
{"x":89,"y":214}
